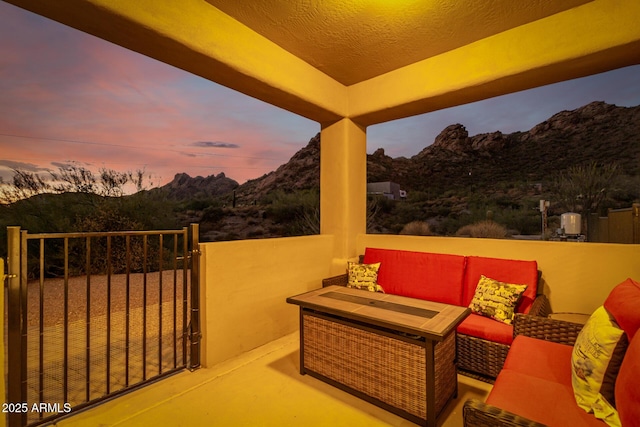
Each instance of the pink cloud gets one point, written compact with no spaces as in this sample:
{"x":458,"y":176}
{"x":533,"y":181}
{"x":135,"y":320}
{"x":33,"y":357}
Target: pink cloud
{"x":78,"y":98}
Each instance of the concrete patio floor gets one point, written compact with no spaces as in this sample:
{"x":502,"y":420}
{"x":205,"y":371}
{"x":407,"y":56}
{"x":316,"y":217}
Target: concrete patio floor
{"x":261,"y":387}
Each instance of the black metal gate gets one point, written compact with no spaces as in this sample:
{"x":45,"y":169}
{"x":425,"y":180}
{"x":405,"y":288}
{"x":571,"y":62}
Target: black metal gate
{"x":93,"y":315}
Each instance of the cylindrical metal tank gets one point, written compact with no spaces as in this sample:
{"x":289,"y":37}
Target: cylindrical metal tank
{"x":571,"y":223}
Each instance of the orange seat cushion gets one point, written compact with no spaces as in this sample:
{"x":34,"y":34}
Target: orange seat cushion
{"x":543,"y":359}
{"x":547,"y":402}
{"x":486,"y":328}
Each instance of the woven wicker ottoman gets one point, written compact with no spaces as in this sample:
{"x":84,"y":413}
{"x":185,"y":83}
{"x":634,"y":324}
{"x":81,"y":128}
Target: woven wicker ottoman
{"x":395,"y":352}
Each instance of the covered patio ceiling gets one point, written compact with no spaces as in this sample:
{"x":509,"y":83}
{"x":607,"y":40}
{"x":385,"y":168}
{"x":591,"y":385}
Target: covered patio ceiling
{"x":324,"y":59}
{"x":353,"y":41}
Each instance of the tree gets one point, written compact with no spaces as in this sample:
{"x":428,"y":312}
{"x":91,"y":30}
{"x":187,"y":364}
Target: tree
{"x":71,"y":178}
{"x":23,"y":186}
{"x":581,"y":189}
{"x":74,"y":179}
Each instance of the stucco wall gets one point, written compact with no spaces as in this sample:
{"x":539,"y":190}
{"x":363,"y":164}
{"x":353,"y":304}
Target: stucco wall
{"x":577,"y":277}
{"x":245,"y":285}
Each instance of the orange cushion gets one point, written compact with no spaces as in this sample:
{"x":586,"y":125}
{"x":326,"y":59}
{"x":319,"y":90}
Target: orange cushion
{"x":538,"y":399}
{"x":433,"y":277}
{"x":486,"y":328}
{"x":623,"y":303}
{"x":503,"y":270}
{"x":627,"y":390}
{"x":543,"y":359}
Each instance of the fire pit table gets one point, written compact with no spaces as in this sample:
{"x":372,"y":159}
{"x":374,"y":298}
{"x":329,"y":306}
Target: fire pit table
{"x":395,"y":352}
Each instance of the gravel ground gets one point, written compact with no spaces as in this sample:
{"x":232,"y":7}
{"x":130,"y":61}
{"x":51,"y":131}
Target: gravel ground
{"x":153,"y":345}
{"x":53,"y":292}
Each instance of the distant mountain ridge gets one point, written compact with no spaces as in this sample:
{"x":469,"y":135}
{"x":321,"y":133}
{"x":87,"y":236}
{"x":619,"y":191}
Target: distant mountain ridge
{"x":184,"y":187}
{"x":595,"y":132}
{"x":455,"y":180}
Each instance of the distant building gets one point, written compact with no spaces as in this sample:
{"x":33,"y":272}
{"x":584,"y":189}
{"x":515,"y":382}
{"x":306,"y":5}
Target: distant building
{"x":388,"y":189}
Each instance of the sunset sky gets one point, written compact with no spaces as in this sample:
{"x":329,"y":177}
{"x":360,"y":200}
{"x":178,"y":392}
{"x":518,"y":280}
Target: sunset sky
{"x":66,"y":96}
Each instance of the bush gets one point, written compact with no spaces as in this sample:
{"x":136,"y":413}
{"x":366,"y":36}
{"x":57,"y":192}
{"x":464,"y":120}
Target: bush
{"x":213,"y":214}
{"x":417,"y":228}
{"x":297,"y":212}
{"x":483,"y":229}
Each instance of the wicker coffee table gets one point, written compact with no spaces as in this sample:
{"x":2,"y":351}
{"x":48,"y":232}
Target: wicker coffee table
{"x":395,"y":352}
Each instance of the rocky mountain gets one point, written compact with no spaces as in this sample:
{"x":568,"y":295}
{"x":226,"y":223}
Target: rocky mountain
{"x":595,"y":132}
{"x":455,"y":181}
{"x":301,"y":172}
{"x":184,"y":187}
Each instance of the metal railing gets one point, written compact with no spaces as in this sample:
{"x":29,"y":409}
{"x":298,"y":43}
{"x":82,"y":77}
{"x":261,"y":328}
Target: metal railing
{"x":93,"y":315}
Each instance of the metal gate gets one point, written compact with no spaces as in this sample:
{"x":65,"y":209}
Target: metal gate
{"x":93,"y":315}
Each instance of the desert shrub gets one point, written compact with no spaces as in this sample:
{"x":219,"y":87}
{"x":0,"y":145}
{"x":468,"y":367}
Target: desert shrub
{"x":107,"y":219}
{"x":484,"y":229}
{"x":199,"y":204}
{"x":523,"y":221}
{"x":417,"y":228}
{"x":405,"y":212}
{"x":258,"y":232}
{"x":383,"y":204}
{"x":212,"y":214}
{"x":297,"y":212}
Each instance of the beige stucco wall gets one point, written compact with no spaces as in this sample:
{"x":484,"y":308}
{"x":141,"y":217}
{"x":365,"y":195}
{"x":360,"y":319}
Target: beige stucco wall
{"x":245,"y":285}
{"x":577,"y":277}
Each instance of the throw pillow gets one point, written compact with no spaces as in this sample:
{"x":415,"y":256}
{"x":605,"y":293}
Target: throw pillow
{"x":364,"y":276}
{"x":496,"y":300}
{"x":595,"y":362}
{"x":623,"y":303}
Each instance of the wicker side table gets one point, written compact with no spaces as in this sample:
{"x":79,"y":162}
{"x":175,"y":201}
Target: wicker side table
{"x":580,"y":318}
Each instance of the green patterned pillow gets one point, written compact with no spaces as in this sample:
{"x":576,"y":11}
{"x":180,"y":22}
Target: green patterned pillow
{"x":496,"y":300}
{"x":364,"y":276}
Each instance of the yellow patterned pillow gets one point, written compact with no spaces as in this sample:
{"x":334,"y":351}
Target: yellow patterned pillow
{"x":364,"y":276}
{"x":595,"y":362}
{"x":496,"y":300}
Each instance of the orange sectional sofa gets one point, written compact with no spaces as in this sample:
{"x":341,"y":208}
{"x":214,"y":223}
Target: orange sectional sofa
{"x":540,"y":384}
{"x":482,"y":342}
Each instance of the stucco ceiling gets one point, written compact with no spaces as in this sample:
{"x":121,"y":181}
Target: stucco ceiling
{"x":354,"y":40}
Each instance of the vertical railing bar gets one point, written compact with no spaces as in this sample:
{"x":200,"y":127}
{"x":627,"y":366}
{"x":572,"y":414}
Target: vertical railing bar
{"x":65,"y":378}
{"x":127,"y":307}
{"x":88,"y":321}
{"x":108,"y":314}
{"x":41,"y":327}
{"x":185,"y":307}
{"x":144,"y":306}
{"x":16,"y":390}
{"x":195,"y":298}
{"x":23,"y":315}
{"x":175,"y":300}
{"x":160,"y":285}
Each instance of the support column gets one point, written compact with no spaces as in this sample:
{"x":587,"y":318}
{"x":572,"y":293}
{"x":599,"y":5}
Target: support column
{"x":343,"y":186}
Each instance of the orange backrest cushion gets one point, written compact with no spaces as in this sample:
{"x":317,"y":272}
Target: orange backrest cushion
{"x":504,"y":270}
{"x":424,"y":275}
{"x":624,"y":305}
